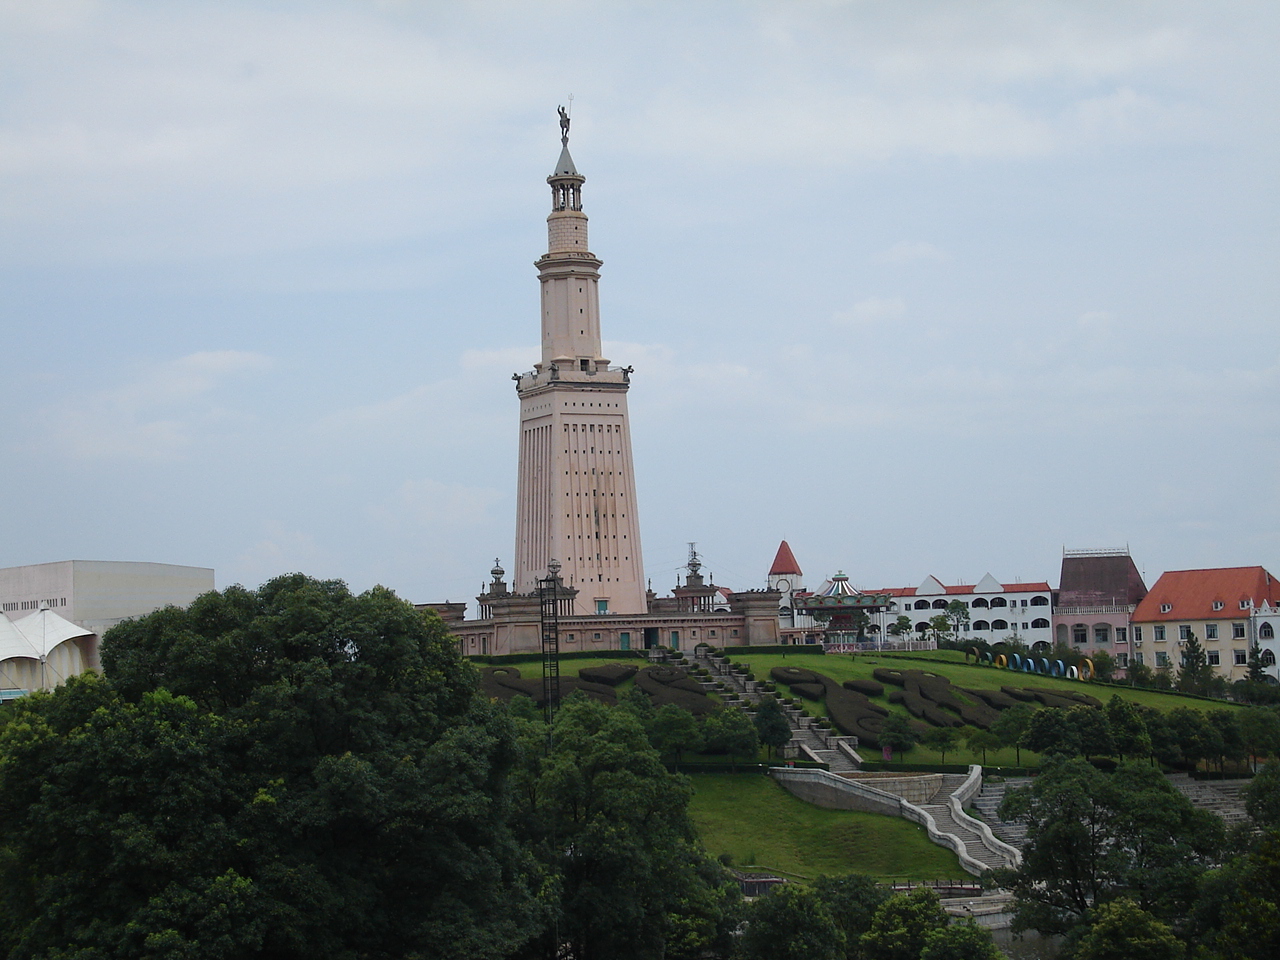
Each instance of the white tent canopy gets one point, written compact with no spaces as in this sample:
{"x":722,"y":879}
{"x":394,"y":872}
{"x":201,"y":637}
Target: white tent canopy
{"x":42,"y":650}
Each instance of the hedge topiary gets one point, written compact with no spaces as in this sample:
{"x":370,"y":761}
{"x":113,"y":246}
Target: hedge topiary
{"x":610,"y":674}
{"x":866,"y":687}
{"x":672,"y":685}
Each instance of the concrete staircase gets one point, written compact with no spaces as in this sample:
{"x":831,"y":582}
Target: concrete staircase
{"x":1223,"y":797}
{"x":987,"y":803}
{"x":944,"y":816}
{"x":808,"y":741}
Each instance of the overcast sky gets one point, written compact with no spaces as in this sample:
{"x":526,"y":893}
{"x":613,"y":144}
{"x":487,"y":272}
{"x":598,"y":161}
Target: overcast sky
{"x":921,"y":287}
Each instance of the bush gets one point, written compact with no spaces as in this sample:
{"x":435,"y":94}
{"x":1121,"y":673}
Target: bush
{"x":672,"y":685}
{"x":866,"y":687}
{"x":611,"y":674}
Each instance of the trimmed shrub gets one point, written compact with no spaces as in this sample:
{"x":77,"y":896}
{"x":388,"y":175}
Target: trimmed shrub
{"x":672,"y":685}
{"x":810,"y":691}
{"x":610,"y":674}
{"x":866,"y":687}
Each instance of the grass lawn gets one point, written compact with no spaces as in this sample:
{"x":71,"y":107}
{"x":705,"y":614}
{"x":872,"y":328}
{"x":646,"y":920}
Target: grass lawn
{"x":751,"y":817}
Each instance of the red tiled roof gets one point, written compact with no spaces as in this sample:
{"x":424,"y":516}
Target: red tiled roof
{"x":1191,"y":594}
{"x":785,"y":562}
{"x":1039,"y":587}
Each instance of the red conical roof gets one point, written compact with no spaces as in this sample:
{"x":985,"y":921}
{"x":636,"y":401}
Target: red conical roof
{"x":785,"y":562}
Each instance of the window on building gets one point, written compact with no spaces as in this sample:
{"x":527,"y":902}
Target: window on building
{"x":1137,"y":658}
{"x":1101,"y":633}
{"x":1214,"y":657}
{"x":1079,"y":633}
{"x":922,"y":604}
{"x":999,"y":602}
{"x":939,"y":604}
{"x":1266,"y":632}
{"x":1218,"y":604}
{"x":595,"y":636}
{"x":1162,"y":659}
{"x":1211,"y":631}
{"x":1242,"y":657}
{"x":1184,"y":631}
{"x":734,"y":632}
{"x":1122,"y":660}
{"x":980,"y":602}
{"x":996,"y":625}
{"x":1245,"y":604}
{"x":571,"y":636}
{"x":1040,"y":624}
{"x":1267,"y":658}
{"x":711,"y":634}
{"x":1166,"y":607}
{"x":1237,"y":631}
{"x":1039,"y":601}
{"x":981,"y":625}
{"x":1122,"y":635}
{"x":1137,"y":635}
{"x":602,"y":606}
{"x":1158,"y":632}
{"x":1025,"y":625}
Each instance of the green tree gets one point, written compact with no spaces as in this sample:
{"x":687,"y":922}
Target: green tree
{"x":1262,"y":797}
{"x":729,"y":730}
{"x":1104,"y":665}
{"x":1012,"y":725}
{"x":1128,"y":728}
{"x":940,"y":627}
{"x":791,"y":923}
{"x":897,"y":734}
{"x":1229,"y":739}
{"x":1257,"y":672}
{"x":1092,"y":837}
{"x":1091,"y":729}
{"x":980,"y":741}
{"x":1252,"y":930}
{"x":1139,"y":674}
{"x":1122,"y":930}
{"x":289,"y":772}
{"x":623,"y":873}
{"x":901,"y":627}
{"x":962,"y":940}
{"x":942,"y":739}
{"x":1194,"y":673}
{"x":852,"y":901}
{"x":901,"y":925}
{"x":1260,"y":731}
{"x":772,"y":725}
{"x":1052,"y":734}
{"x":673,"y":731}
{"x":957,"y":617}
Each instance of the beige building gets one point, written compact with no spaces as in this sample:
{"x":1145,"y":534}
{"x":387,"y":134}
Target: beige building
{"x":98,"y":594}
{"x":1228,"y":609}
{"x":576,"y":495}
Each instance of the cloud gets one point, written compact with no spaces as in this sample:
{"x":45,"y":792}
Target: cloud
{"x":432,"y":505}
{"x":154,"y":416}
{"x":872,"y":311}
{"x":281,"y":551}
{"x":911,"y":251}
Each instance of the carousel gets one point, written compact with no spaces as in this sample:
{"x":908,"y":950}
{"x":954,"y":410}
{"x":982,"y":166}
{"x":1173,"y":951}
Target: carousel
{"x":846,"y":615}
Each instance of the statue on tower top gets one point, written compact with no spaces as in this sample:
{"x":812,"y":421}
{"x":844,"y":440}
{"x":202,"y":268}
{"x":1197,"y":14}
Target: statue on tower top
{"x":564,"y":126}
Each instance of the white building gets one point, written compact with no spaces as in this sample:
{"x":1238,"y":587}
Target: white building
{"x":98,"y":594}
{"x":997,"y":611}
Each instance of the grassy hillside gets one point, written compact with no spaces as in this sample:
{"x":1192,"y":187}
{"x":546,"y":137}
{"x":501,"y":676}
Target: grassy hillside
{"x":758,"y":823}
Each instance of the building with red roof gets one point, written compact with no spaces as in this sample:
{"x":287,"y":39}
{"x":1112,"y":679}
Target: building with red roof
{"x":1228,"y":609}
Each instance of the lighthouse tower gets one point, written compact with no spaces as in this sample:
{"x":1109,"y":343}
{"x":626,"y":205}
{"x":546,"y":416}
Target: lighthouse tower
{"x":576,"y":492}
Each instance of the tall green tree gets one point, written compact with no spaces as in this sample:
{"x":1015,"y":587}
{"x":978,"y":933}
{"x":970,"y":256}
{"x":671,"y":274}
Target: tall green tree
{"x":1012,"y":725}
{"x":729,"y":730}
{"x":1260,"y":731}
{"x":852,"y":900}
{"x":942,"y":739}
{"x":1194,"y":673}
{"x":1092,"y":837}
{"x":674,"y":731}
{"x":288,"y":772}
{"x":791,"y":923}
{"x":624,"y":875}
{"x":771,"y":724}
{"x":961,"y":940}
{"x":902,"y":924}
{"x":980,"y":741}
{"x":1122,"y":930}
{"x":897,"y":734}
{"x":957,"y":617}
{"x":1128,"y":728}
